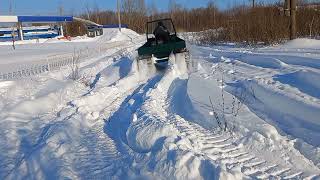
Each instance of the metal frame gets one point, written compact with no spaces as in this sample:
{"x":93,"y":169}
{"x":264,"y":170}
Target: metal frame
{"x":158,"y":20}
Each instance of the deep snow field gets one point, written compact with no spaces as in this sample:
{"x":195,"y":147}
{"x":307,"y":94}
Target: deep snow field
{"x":126,"y":120}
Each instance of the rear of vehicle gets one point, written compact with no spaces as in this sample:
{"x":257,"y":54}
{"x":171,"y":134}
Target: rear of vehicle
{"x":160,"y":50}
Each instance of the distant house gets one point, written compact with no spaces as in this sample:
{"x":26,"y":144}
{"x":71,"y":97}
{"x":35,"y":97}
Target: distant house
{"x":34,"y":32}
{"x":93,"y":31}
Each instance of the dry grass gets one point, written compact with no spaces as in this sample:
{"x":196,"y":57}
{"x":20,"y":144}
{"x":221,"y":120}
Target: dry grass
{"x":263,"y":23}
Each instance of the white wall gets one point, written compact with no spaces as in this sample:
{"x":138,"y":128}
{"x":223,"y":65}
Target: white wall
{"x":8,"y":19}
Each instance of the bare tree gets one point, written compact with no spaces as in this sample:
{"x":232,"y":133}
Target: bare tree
{"x":88,"y":11}
{"x":173,"y":8}
{"x":212,"y":11}
{"x":74,"y":66}
{"x":311,"y":25}
{"x":153,"y":10}
{"x":134,"y":13}
{"x":240,"y":23}
{"x":95,"y":13}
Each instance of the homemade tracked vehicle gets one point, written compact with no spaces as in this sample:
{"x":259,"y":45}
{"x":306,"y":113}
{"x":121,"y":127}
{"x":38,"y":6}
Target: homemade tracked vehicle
{"x":162,"y":41}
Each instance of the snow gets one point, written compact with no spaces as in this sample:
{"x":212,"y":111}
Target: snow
{"x":126,"y":120}
{"x":297,"y":44}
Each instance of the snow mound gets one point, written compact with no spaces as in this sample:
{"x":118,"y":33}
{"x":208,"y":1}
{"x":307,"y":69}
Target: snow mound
{"x":124,"y":35}
{"x":143,"y":136}
{"x":293,"y":116}
{"x":264,"y":62}
{"x":306,"y":81}
{"x":168,"y":152}
{"x":6,"y":84}
{"x":302,"y":43}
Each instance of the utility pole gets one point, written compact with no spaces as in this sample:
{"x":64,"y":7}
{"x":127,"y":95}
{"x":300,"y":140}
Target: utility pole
{"x":119,"y":16}
{"x":290,"y":10}
{"x":287,"y":8}
{"x":293,"y":19}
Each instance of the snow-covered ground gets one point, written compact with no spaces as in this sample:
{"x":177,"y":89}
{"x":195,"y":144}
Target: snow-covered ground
{"x":125,"y":120}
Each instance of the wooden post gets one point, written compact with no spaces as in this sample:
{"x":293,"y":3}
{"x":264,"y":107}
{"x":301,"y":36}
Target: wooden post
{"x":293,"y":20}
{"x":20,"y":31}
{"x":13,"y":38}
{"x":287,"y":8}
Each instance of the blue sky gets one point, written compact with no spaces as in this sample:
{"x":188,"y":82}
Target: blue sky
{"x":49,"y":7}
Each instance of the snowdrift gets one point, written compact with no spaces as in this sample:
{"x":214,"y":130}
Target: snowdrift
{"x":302,"y":43}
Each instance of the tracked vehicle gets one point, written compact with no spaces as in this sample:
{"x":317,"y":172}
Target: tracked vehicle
{"x":162,"y":40}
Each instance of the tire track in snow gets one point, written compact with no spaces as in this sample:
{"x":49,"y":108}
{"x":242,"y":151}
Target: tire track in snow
{"x":221,"y":147}
{"x":120,"y":118}
{"x":223,"y":150}
{"x":42,"y":140}
{"x":95,"y":154}
{"x":278,"y":113}
{"x":114,"y":115}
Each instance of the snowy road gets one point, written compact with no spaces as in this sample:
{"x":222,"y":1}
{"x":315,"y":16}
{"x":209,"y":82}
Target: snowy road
{"x":124,"y":122}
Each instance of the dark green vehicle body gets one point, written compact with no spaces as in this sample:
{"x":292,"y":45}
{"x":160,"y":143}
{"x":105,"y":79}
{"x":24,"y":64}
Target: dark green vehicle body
{"x":175,"y":44}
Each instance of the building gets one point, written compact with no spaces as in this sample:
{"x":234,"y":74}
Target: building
{"x":19,"y":32}
{"x":20,"y":20}
{"x":93,"y":31}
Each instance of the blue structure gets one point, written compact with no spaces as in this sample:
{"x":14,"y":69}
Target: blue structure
{"x":25,"y":31}
{"x":33,"y":19}
{"x":43,"y":19}
{"x":29,"y":37}
{"x":93,"y":29}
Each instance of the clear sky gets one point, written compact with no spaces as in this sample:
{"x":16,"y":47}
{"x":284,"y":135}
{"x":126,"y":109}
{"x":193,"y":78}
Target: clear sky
{"x":50,"y":7}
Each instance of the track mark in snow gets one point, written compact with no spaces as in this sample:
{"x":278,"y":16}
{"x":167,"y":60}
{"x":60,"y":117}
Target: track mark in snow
{"x":264,"y":69}
{"x":220,"y":148}
{"x":28,"y":149}
{"x":97,"y":155}
{"x":297,"y":175}
{"x":279,"y":172}
{"x":119,"y":121}
{"x":101,"y":153}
